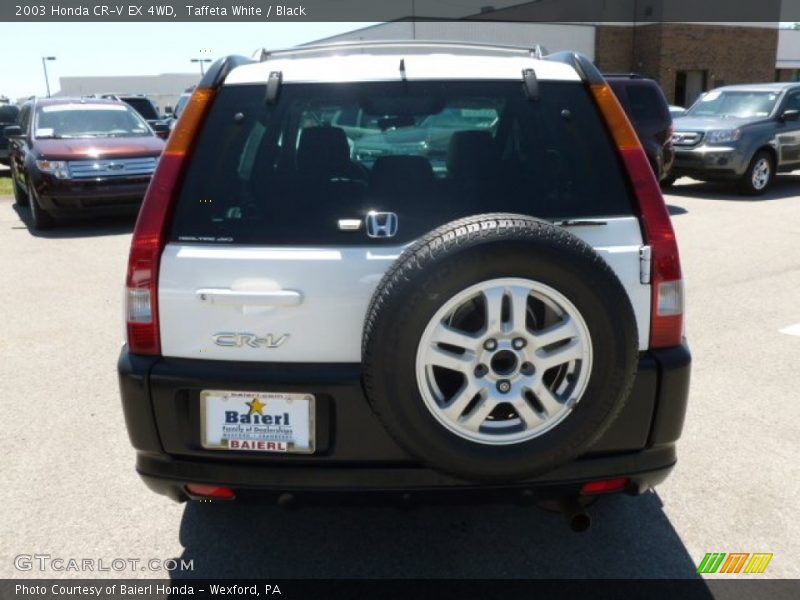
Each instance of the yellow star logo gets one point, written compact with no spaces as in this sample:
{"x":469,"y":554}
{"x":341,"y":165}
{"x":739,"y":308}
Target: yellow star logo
{"x":256,"y":406}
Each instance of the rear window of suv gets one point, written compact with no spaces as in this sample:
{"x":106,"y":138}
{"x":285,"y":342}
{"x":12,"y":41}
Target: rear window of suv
{"x":8,"y":114}
{"x":287,"y":173}
{"x":143,"y":106}
{"x":646,"y":103}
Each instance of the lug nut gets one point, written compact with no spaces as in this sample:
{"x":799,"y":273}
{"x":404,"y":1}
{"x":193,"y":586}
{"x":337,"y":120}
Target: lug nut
{"x":481,"y":370}
{"x":519,"y":343}
{"x":490,"y":344}
{"x":504,"y":386}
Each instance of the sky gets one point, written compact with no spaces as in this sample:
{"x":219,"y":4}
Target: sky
{"x":85,"y":49}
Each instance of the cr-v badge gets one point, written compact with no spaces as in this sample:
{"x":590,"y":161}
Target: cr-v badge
{"x":251,"y":340}
{"x":381,"y":224}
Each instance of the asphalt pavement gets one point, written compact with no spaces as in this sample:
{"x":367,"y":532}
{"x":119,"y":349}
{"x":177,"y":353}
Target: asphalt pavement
{"x":69,"y":488}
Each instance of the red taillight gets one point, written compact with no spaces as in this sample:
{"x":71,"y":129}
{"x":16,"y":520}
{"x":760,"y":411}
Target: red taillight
{"x":210,"y":491}
{"x":666,"y":316}
{"x":149,"y":235}
{"x":605,"y":485}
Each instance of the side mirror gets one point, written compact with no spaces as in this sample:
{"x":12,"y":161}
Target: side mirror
{"x":161,"y":130}
{"x":790,"y":115}
{"x":12,"y":131}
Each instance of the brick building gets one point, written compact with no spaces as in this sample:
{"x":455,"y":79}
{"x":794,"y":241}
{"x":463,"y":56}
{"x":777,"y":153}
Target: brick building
{"x":687,"y":59}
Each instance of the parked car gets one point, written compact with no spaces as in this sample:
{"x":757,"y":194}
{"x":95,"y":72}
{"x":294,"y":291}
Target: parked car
{"x":80,"y":156}
{"x":647,"y":108}
{"x":8,"y":116}
{"x":301,"y":321}
{"x":145,"y":107}
{"x":740,"y":133}
{"x":179,"y":106}
{"x":676,"y":111}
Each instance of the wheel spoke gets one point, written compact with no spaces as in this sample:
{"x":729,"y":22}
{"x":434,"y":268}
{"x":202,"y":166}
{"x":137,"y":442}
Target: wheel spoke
{"x":547,"y":359}
{"x":519,"y":309}
{"x":448,"y":360}
{"x":461,"y":400}
{"x":494,"y":309}
{"x":558,"y":332}
{"x":444,"y":334}
{"x":477,"y":416}
{"x":526,"y":412}
{"x":547,"y":399}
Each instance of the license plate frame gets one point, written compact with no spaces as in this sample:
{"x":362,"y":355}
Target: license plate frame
{"x":262,"y":437}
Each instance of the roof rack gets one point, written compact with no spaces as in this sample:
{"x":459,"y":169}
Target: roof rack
{"x":393,"y":46}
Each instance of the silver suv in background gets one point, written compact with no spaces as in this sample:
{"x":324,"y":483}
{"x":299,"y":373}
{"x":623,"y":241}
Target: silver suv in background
{"x":741,"y":133}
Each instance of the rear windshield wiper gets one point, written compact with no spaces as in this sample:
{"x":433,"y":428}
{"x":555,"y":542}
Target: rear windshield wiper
{"x":578,"y":223}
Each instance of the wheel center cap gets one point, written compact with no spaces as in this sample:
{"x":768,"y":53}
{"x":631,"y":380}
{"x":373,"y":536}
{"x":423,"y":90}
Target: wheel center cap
{"x":504,"y":362}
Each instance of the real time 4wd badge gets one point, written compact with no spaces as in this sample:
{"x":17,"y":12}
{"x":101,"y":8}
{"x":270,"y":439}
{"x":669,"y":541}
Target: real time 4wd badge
{"x":257,"y":421}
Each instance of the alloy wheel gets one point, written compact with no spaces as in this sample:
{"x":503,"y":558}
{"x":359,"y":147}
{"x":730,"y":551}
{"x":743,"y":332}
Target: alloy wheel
{"x":504,"y":361}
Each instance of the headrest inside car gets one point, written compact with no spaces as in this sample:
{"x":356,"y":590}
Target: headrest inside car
{"x":323,"y":151}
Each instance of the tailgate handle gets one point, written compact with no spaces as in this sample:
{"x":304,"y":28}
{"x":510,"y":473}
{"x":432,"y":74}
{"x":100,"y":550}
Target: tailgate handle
{"x":249,"y":298}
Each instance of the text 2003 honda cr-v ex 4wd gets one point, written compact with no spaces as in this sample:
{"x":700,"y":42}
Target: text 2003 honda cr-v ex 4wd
{"x":504,"y":313}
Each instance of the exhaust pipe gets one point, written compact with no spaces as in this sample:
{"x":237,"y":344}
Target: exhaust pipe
{"x":577,"y":518}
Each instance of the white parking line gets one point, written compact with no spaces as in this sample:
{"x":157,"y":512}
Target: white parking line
{"x":791,"y":330}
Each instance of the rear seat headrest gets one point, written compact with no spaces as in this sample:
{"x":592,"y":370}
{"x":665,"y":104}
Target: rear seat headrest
{"x":323,"y":150}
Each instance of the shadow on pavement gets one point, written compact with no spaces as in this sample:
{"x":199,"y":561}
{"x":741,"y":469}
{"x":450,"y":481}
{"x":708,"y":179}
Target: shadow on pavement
{"x":630,"y":538}
{"x":77,"y":227}
{"x":783,"y":187}
{"x":675,"y":211}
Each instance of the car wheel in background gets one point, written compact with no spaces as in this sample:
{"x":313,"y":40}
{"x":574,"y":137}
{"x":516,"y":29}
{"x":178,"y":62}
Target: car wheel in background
{"x":40,"y":218}
{"x":20,"y":197}
{"x":759,"y":174}
{"x":667,"y":182}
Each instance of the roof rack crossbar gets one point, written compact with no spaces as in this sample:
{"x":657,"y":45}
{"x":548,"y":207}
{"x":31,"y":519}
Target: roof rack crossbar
{"x":406,"y":46}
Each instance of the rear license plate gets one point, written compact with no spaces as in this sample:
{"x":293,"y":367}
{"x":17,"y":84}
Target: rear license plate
{"x":257,"y":421}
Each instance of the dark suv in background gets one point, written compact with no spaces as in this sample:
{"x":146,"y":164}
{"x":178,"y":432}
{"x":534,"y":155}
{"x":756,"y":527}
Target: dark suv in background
{"x":648,"y":110}
{"x":8,"y":116}
{"x":80,"y":155}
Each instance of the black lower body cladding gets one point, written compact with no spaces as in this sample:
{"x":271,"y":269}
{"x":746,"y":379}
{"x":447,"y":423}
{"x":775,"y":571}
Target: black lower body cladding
{"x":494,"y":248}
{"x":161,"y":408}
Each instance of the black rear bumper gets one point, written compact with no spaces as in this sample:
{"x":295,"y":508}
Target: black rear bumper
{"x":160,"y":400}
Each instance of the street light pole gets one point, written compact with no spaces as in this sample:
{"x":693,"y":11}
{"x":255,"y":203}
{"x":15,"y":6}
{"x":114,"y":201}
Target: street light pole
{"x":201,"y":61}
{"x":44,"y":66}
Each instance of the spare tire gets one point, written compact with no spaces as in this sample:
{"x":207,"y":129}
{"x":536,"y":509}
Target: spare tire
{"x":498,"y":347}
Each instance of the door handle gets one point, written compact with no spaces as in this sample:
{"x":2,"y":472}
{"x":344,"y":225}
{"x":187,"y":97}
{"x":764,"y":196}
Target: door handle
{"x":226,"y":297}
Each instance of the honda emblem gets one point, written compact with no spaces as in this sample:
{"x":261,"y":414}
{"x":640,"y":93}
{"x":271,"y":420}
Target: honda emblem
{"x":381,"y":224}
